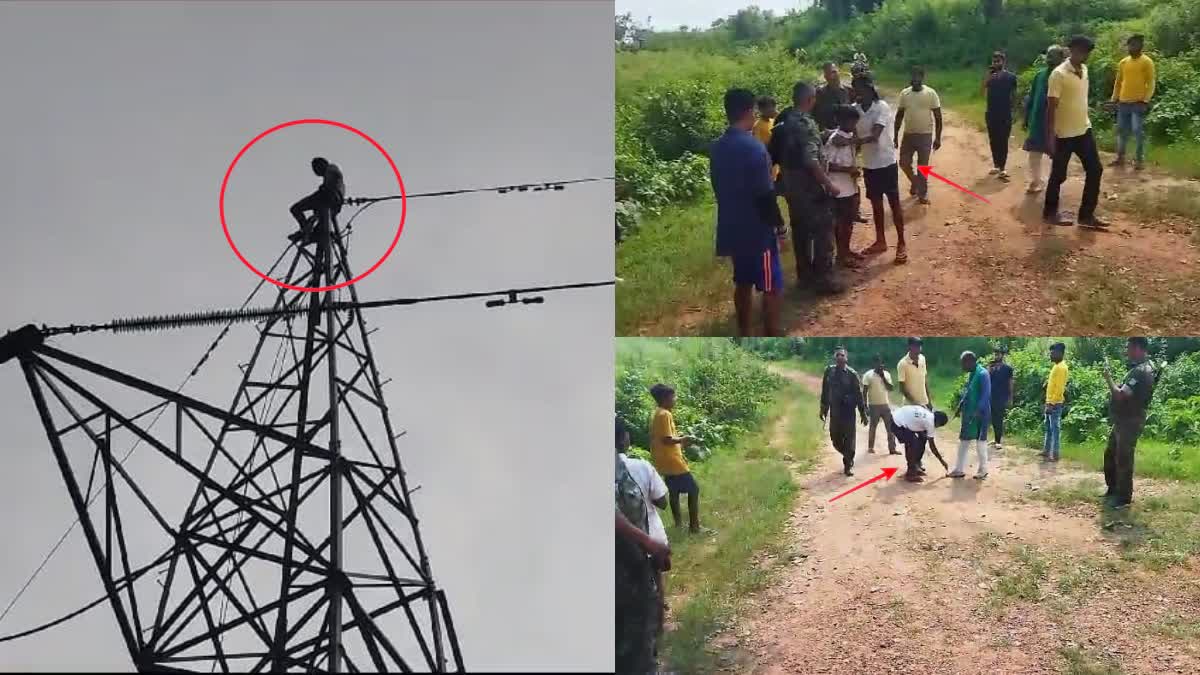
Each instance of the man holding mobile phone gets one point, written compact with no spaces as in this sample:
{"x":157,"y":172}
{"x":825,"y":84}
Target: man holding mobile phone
{"x":1000,"y":87}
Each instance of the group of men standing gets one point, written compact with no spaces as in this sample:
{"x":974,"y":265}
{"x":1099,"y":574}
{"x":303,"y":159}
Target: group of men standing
{"x":813,"y":153}
{"x":985,"y":401}
{"x":1058,"y":124}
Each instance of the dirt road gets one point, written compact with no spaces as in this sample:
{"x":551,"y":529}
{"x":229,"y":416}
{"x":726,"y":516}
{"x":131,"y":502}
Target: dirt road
{"x":960,"y":576}
{"x":977,"y":268}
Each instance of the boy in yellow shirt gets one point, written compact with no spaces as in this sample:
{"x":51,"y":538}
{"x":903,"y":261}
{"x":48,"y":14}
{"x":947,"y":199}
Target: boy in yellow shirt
{"x":768,"y":110}
{"x":1056,"y":390}
{"x":666,"y":449}
{"x":1132,"y":93}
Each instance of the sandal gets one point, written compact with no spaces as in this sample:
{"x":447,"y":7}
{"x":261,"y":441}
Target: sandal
{"x":875,"y":249}
{"x":901,"y":256}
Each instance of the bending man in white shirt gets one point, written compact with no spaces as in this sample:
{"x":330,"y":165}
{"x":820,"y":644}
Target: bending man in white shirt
{"x":914,"y":425}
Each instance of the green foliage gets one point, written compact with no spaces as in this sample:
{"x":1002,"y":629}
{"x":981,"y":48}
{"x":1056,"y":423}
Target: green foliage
{"x":721,"y":390}
{"x":668,"y":113}
{"x":1174,"y":26}
{"x":1174,"y":414}
{"x":674,"y":106}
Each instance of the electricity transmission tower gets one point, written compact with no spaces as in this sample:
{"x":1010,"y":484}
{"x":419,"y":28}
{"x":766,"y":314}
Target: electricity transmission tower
{"x":276,"y":533}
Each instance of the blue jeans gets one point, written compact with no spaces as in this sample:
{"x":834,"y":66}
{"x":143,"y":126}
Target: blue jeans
{"x":1052,"y":445}
{"x":1129,"y":119}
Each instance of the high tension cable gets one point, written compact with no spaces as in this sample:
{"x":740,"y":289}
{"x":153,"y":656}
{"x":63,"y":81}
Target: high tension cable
{"x":500,"y":298}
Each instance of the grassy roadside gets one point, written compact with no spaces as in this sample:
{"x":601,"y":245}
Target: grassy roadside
{"x":747,"y":496}
{"x":669,"y":266}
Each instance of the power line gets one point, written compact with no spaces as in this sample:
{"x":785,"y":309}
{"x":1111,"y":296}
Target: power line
{"x":241,"y":314}
{"x":163,"y":322}
{"x":92,"y":498}
{"x":552,"y":186}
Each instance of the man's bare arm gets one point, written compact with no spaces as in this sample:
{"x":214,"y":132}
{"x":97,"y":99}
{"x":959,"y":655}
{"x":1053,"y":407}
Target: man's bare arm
{"x":1051,"y":109}
{"x":937,"y":122}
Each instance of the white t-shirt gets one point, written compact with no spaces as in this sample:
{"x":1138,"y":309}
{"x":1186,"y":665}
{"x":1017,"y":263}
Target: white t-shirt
{"x":914,"y":418}
{"x":882,"y":153}
{"x":846,"y":185}
{"x":653,"y":488}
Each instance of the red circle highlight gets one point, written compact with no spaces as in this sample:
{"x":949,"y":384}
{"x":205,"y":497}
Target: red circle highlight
{"x":339,"y":125}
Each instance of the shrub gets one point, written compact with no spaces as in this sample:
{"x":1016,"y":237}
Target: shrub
{"x":721,"y":390}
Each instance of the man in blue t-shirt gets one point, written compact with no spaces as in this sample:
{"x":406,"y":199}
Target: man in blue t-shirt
{"x":1000,"y":85}
{"x":1001,"y":375}
{"x":749,"y":224}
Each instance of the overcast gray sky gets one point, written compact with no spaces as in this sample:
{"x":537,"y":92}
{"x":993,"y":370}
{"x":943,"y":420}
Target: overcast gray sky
{"x":118,"y":123}
{"x":671,"y":14}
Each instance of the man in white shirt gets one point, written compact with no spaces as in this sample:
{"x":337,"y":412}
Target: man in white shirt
{"x":876,"y":385}
{"x":880,"y":171}
{"x":654,"y":491}
{"x":914,"y":426}
{"x":920,"y":111}
{"x":842,"y":168}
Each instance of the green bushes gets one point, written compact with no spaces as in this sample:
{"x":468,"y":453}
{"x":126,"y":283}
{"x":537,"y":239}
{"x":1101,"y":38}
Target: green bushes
{"x":1174,"y":414}
{"x":721,"y":390}
{"x":668,"y":113}
{"x":669,"y":94}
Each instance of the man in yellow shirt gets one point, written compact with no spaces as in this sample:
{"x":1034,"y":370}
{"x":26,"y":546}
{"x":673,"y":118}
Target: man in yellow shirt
{"x":1069,"y":132}
{"x":912,"y":374}
{"x":920,"y":112}
{"x":1056,"y":390}
{"x":1132,"y":93}
{"x":666,"y":449}
{"x":876,"y":385}
{"x":768,"y":110}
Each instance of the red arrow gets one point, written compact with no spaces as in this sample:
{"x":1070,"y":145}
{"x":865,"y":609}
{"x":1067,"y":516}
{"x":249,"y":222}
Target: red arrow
{"x":885,"y":473}
{"x":927,"y":171}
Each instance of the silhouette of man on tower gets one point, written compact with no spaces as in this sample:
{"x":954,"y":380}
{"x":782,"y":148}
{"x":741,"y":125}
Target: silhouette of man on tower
{"x":330,"y":195}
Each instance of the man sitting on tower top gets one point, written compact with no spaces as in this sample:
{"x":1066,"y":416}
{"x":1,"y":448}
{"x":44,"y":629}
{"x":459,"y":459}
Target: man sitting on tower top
{"x":329,"y":195}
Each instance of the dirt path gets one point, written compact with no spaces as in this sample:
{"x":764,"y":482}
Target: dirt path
{"x":906,"y":578}
{"x":977,"y":268}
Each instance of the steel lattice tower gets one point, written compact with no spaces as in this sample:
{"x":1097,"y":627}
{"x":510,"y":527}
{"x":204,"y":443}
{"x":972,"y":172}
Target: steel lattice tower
{"x":295,"y":545}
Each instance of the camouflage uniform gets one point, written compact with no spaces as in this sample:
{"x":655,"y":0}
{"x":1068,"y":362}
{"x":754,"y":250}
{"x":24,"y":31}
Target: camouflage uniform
{"x":841,"y":398}
{"x":1128,"y":417}
{"x":638,"y":611}
{"x":828,"y":99}
{"x":809,"y":208}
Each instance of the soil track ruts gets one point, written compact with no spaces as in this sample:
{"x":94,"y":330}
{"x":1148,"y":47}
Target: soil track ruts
{"x":996,"y":269}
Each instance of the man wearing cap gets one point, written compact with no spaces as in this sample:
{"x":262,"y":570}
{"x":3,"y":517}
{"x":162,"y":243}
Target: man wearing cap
{"x":841,"y":397}
{"x":1128,"y":402}
{"x":914,"y":426}
{"x":1001,"y":375}
{"x":975,"y":409}
{"x":912,"y":374}
{"x":1056,"y":390}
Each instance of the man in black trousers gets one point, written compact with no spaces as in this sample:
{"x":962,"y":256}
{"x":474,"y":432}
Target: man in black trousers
{"x":1000,"y":86}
